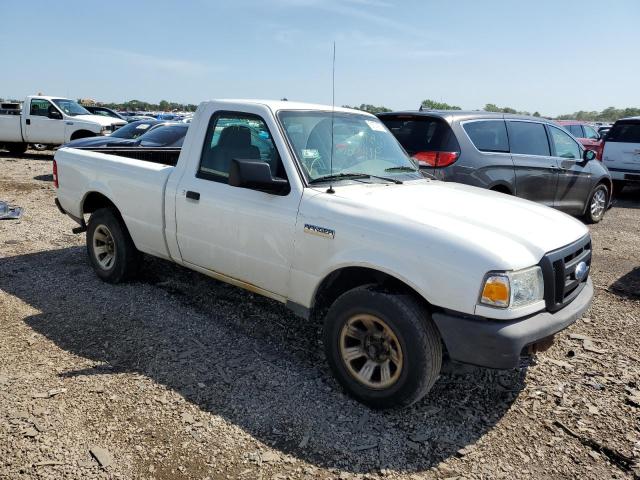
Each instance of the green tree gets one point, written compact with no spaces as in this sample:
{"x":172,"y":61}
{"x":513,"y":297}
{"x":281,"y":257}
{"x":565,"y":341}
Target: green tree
{"x":536,"y":114}
{"x":433,"y":105}
{"x":365,"y":107}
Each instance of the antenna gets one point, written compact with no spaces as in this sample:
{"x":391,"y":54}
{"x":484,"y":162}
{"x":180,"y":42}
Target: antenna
{"x":333,"y":109}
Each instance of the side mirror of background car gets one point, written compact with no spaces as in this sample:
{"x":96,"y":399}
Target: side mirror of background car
{"x":255,"y":175}
{"x":589,"y":155}
{"x":54,"y":114}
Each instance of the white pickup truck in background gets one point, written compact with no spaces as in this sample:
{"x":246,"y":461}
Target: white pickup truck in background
{"x":50,"y":121}
{"x":324,"y":211}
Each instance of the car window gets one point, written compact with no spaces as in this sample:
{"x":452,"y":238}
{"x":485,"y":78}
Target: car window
{"x":237,"y":136}
{"x":488,"y":135}
{"x":564,"y":145}
{"x":418,"y":133}
{"x":163,"y":136}
{"x":528,"y":138}
{"x":40,"y":107}
{"x":625,"y":132}
{"x":589,"y":132}
{"x":575,"y":130}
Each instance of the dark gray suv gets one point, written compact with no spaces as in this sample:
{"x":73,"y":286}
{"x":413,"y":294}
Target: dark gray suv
{"x":524,"y":156}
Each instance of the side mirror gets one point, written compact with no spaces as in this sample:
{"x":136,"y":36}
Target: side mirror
{"x":256,"y":175}
{"x":589,"y":155}
{"x":54,"y":114}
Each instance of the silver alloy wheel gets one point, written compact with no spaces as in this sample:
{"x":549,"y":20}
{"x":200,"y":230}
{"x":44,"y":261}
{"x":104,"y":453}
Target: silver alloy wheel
{"x":598,"y":203}
{"x":371,"y":351}
{"x":104,"y":247}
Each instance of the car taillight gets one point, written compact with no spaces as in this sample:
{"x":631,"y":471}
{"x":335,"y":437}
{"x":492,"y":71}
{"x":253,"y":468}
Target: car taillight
{"x":436,"y":159}
{"x":55,"y":174}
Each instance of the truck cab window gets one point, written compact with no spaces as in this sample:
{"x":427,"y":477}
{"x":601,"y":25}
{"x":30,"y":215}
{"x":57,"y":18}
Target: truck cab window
{"x":237,"y":136}
{"x":40,"y":107}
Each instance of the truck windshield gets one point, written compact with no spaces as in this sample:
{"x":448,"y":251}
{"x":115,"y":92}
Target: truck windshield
{"x":362,"y":146}
{"x":70,"y":107}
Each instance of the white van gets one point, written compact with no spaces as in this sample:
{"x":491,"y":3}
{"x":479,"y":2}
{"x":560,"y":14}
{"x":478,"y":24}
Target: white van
{"x":622,"y":152}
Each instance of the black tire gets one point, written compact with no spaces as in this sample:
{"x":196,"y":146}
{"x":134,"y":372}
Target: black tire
{"x":618,"y":186}
{"x":17,"y":148}
{"x":417,"y":336}
{"x":110,"y":233}
{"x":594,"y":216}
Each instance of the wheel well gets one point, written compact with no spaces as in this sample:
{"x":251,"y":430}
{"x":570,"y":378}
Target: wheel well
{"x":347,"y":278}
{"x":501,"y":189}
{"x":82,"y":134}
{"x":94,"y":201}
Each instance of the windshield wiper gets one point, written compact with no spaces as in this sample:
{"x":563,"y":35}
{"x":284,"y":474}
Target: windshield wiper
{"x":352,"y":175}
{"x":401,"y":169}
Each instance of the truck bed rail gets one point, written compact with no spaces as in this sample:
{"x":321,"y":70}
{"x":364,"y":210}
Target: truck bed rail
{"x":164,"y":156}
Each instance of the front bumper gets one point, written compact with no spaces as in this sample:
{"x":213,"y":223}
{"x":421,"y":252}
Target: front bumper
{"x":624,"y":174}
{"x":499,"y":344}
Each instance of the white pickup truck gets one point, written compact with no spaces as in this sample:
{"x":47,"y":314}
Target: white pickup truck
{"x":50,"y":121}
{"x":325,"y":212}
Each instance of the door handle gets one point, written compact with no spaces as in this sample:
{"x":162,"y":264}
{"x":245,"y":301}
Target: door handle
{"x":193,"y":195}
{"x":553,"y":167}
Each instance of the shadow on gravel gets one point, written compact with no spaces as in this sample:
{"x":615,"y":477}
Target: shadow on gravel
{"x":628,"y":285}
{"x":44,"y":178}
{"x":248,"y":360}
{"x":29,"y":156}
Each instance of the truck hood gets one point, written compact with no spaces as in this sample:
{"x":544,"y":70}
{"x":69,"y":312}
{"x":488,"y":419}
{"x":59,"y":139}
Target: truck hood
{"x":495,"y":221}
{"x":100,"y":120}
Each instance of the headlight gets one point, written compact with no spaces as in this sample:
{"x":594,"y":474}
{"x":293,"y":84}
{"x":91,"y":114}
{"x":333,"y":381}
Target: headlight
{"x":105,"y":130}
{"x":513,"y":289}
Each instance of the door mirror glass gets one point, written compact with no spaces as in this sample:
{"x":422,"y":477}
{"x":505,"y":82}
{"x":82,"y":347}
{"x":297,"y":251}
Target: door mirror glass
{"x":589,"y":155}
{"x":256,"y":175}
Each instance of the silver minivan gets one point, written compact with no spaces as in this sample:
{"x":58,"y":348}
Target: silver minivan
{"x":621,"y":152}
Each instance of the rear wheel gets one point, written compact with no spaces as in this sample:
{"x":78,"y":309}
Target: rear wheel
{"x":111,"y":251}
{"x":598,"y":203}
{"x":382,"y":347}
{"x":17,"y":148}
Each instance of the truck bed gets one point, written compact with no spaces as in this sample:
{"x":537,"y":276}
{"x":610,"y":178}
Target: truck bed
{"x":135,"y":185}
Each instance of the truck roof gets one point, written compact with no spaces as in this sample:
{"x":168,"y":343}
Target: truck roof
{"x":276,"y":105}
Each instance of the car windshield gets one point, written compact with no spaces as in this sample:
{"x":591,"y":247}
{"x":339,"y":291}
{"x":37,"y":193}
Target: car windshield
{"x":361,"y":145}
{"x":133,"y":130}
{"x":70,"y":107}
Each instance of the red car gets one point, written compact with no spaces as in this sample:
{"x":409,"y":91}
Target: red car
{"x":585,"y":134}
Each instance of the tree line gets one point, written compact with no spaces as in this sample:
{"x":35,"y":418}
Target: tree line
{"x":162,"y":106}
{"x":610,"y":114}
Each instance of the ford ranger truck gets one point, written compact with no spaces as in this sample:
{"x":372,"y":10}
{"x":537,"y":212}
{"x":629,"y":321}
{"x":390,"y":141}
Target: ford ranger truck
{"x":50,"y":121}
{"x":323,"y":211}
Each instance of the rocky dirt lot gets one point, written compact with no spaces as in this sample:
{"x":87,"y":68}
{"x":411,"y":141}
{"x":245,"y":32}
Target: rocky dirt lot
{"x":178,"y":376}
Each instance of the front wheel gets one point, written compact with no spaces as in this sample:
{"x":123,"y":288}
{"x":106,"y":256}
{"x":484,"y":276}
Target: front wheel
{"x":383,"y":348}
{"x":111,"y":251}
{"x":598,"y":202}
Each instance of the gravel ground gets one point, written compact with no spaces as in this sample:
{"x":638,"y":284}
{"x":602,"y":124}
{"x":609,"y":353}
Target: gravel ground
{"x":176,"y":375}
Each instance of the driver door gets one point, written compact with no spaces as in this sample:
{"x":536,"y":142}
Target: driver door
{"x":574,"y":174}
{"x":240,"y":233}
{"x":39,"y":128}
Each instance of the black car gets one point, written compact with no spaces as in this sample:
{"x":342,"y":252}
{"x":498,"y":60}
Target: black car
{"x":144,"y":133}
{"x":518,"y":155}
{"x":124,"y":135}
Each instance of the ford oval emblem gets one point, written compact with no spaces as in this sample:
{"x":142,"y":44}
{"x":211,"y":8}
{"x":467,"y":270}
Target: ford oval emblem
{"x":581,"y":271}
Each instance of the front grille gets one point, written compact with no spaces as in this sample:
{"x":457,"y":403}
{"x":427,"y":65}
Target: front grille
{"x":559,"y":271}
